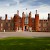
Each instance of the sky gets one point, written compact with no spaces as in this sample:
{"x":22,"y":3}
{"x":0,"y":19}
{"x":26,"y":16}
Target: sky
{"x":10,"y":7}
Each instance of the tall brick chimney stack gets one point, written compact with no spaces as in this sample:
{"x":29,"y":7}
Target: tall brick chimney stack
{"x":30,"y":14}
{"x":36,"y":21}
{"x":48,"y":21}
{"x":6,"y":17}
{"x":30,"y":20}
{"x":49,"y":16}
{"x":16,"y":22}
{"x":23,"y":14}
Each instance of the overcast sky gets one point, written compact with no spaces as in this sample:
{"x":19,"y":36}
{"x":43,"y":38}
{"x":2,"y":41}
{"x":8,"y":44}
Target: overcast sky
{"x":10,"y":7}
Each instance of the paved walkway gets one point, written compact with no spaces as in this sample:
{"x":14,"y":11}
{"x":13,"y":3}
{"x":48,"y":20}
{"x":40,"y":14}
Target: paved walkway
{"x":24,"y":34}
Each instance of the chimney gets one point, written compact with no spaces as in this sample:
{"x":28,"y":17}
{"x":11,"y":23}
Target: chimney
{"x":30,"y":14}
{"x":23,"y":14}
{"x":48,"y":16}
{"x":5,"y":16}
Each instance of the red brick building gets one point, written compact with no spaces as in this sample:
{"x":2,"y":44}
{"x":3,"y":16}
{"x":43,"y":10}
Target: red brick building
{"x":25,"y":23}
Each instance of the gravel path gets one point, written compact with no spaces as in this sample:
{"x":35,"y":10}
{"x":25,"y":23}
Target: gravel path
{"x":24,"y":34}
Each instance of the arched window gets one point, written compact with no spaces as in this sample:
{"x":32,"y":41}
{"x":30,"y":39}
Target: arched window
{"x":26,"y":20}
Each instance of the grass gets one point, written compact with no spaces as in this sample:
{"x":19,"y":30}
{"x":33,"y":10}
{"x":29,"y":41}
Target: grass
{"x":15,"y":43}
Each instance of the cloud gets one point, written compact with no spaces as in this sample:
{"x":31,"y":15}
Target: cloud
{"x":11,"y":6}
{"x":7,"y":3}
{"x":44,"y":1}
{"x":25,"y":2}
{"x":43,"y":11}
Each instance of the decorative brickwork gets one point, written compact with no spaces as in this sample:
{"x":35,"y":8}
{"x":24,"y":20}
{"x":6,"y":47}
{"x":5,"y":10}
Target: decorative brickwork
{"x":25,"y":23}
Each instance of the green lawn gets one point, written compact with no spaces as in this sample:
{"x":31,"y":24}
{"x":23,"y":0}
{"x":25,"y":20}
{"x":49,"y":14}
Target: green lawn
{"x":25,"y":43}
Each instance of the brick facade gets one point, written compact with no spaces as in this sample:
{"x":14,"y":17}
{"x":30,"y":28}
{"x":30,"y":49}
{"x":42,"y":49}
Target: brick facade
{"x":24,"y":23}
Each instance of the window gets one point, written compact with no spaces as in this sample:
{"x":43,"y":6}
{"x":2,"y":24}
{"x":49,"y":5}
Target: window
{"x":26,"y":20}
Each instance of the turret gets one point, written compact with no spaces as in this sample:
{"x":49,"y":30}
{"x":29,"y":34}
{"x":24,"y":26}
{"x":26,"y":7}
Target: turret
{"x":23,"y":17}
{"x":30,"y":20}
{"x":36,"y":21}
